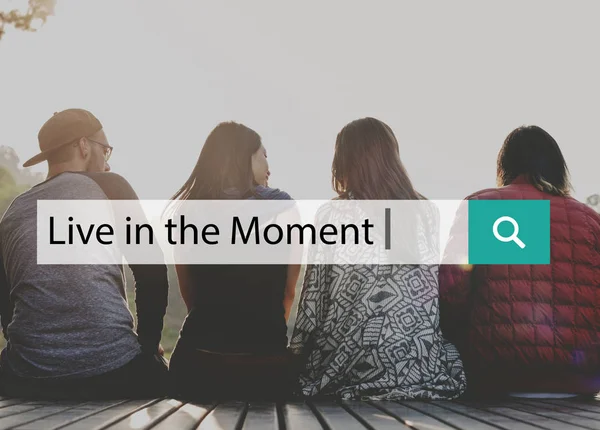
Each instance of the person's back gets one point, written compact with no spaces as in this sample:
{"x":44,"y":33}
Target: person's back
{"x":527,"y":322}
{"x":376,"y":337}
{"x":373,"y":330}
{"x":68,"y":328}
{"x":233,"y":341}
{"x":68,"y":320}
{"x":531,"y":328}
{"x":238,"y":308}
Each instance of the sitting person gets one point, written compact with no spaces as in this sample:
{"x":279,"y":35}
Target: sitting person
{"x":530,"y":328}
{"x":350,"y":343}
{"x":68,"y":329}
{"x":233,"y":343}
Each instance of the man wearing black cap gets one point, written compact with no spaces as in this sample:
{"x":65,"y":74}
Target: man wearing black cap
{"x":69,"y":331}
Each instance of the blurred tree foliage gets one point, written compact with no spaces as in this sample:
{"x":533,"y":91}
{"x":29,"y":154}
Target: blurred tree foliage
{"x":10,"y":186}
{"x":13,"y":179}
{"x":594,"y":202}
{"x":8,"y":189}
{"x":37,"y":13}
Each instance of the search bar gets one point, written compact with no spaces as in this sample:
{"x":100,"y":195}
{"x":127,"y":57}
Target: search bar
{"x":368,"y":232}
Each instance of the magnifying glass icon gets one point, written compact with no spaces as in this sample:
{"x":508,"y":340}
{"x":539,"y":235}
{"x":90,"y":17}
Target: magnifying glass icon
{"x":514,"y":236}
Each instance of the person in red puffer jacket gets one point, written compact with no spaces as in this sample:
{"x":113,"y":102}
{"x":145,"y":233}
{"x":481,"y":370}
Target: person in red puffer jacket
{"x":531,"y":328}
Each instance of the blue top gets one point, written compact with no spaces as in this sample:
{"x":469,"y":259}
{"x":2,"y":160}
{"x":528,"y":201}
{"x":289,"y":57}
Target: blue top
{"x":259,"y":192}
{"x":266,"y":193}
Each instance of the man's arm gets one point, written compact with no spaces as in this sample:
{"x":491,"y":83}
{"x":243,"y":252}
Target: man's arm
{"x":151,"y":299}
{"x":151,"y":280}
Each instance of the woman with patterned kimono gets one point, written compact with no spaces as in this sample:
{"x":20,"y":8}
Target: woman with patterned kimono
{"x":372,"y":331}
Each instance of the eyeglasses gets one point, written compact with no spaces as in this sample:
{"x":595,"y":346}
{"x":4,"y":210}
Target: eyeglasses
{"x":107,"y":148}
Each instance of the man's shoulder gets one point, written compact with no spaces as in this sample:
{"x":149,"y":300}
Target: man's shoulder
{"x":108,"y":177}
{"x":115,"y":186}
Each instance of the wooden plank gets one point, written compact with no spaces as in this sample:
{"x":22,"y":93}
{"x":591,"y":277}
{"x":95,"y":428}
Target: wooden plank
{"x":146,"y":418}
{"x":522,"y":414}
{"x":33,"y":415}
{"x":261,"y":415}
{"x":449,"y":417}
{"x":225,"y":416}
{"x":188,"y":416}
{"x":335,"y":417}
{"x":17,"y":409}
{"x":106,"y":417}
{"x":541,"y":421}
{"x":66,"y":417}
{"x":584,"y":405}
{"x":556,"y":415}
{"x":11,"y":402}
{"x":372,"y":417}
{"x":590,"y":400}
{"x":566,"y":408}
{"x":501,"y":421}
{"x":410,"y":417}
{"x":299,"y":416}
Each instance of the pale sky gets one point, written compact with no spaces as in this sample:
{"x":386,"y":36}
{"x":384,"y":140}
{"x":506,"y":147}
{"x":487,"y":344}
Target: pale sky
{"x":451,"y":78}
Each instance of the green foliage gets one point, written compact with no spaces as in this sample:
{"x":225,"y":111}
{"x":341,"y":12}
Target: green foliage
{"x":9,"y":189}
{"x":38,"y":10}
{"x":14,"y":180}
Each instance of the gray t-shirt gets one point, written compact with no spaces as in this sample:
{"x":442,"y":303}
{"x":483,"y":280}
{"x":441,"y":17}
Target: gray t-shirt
{"x":64,"y":321}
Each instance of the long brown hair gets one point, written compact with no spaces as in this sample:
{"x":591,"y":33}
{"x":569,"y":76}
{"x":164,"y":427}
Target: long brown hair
{"x":367,"y":163}
{"x":225,"y":162}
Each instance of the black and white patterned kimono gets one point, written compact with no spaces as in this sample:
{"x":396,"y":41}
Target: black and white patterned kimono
{"x":372,"y":332}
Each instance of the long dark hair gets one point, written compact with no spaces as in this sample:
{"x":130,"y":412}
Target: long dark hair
{"x":367,"y":163}
{"x":532,"y":152}
{"x":225,"y":162}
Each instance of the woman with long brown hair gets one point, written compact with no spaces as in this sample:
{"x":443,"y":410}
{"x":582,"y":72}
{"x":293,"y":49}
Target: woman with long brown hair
{"x":376,"y":334}
{"x":233,"y":343}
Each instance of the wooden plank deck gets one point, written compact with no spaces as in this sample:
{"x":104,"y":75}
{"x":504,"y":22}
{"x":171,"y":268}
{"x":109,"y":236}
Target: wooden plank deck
{"x":163,"y":414}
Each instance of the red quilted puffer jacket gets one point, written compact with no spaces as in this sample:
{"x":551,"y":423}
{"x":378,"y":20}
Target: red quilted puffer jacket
{"x":530,"y":327}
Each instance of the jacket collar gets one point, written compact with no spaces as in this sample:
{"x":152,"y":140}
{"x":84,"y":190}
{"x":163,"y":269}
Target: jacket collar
{"x":521,"y":179}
